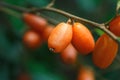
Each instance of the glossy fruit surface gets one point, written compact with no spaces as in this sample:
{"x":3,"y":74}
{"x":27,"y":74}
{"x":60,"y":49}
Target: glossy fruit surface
{"x":86,"y":74}
{"x":82,"y":39}
{"x":69,"y":54}
{"x":60,"y":37}
{"x":104,"y":52}
{"x":114,"y":26}
{"x":46,"y":32}
{"x":35,"y":22}
{"x":32,"y":39}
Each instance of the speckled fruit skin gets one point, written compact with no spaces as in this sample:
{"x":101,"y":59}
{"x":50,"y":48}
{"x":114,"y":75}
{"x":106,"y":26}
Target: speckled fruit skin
{"x":104,"y":52}
{"x":82,"y":39}
{"x":35,"y":22}
{"x":60,"y":37}
{"x":114,"y":26}
{"x":69,"y":55}
{"x":31,"y":39}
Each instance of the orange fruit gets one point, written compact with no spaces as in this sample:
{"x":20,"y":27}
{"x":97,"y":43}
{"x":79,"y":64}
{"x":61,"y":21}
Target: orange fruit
{"x":46,"y":32}
{"x":82,"y":39}
{"x":60,"y":37}
{"x":35,"y":22}
{"x":32,"y":39}
{"x":86,"y":74}
{"x":114,"y":25}
{"x":104,"y":52}
{"x":69,"y":54}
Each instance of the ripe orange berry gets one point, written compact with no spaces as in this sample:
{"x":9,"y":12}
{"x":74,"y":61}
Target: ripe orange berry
{"x":60,"y":37}
{"x":114,"y":26}
{"x":104,"y":52}
{"x":86,"y":74}
{"x":32,"y":39}
{"x":69,"y":54}
{"x":35,"y":22}
{"x":46,"y":32}
{"x":82,"y":39}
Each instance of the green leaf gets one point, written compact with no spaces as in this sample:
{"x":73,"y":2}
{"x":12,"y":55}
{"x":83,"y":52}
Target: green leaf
{"x":99,"y":32}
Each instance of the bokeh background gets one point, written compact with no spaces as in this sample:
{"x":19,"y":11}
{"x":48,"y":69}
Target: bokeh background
{"x":41,"y":64}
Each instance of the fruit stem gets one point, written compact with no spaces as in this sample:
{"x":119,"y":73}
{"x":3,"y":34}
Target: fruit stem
{"x":70,"y":21}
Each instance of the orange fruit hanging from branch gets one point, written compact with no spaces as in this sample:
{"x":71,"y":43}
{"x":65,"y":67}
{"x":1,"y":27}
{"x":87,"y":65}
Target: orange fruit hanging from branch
{"x":35,"y":22}
{"x":60,"y":37}
{"x":114,"y":25}
{"x":82,"y":39}
{"x":105,"y":51}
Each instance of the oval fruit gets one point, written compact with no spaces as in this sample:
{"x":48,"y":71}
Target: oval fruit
{"x":104,"y":52}
{"x":114,"y":25}
{"x":60,"y":37}
{"x":32,"y":39}
{"x":69,"y":54}
{"x":82,"y":39}
{"x":35,"y":22}
{"x":86,"y":74}
{"x":46,"y":32}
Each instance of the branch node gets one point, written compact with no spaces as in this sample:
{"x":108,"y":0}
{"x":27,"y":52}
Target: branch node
{"x":70,"y":21}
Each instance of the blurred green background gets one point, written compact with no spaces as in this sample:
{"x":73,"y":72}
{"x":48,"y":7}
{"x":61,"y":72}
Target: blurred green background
{"x":41,"y":64}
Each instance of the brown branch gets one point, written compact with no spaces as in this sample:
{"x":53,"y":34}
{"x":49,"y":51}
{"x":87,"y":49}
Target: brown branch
{"x":66,"y":14}
{"x":19,"y":9}
{"x":85,"y":21}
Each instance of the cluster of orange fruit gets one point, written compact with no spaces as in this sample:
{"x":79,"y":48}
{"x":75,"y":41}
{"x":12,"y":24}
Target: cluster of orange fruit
{"x":69,"y":38}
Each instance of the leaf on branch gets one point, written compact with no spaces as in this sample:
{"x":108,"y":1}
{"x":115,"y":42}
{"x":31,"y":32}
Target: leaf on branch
{"x":99,"y":32}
